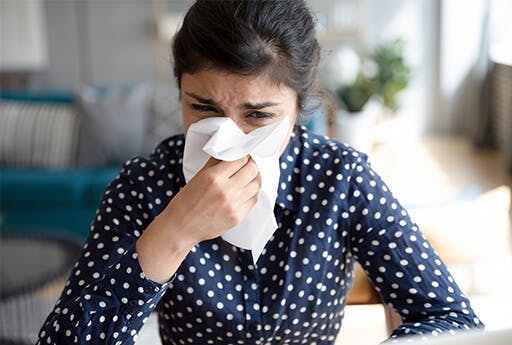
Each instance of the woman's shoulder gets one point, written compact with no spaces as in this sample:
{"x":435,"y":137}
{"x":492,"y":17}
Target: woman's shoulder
{"x":323,"y":150}
{"x":164,"y":161}
{"x":169,"y":148}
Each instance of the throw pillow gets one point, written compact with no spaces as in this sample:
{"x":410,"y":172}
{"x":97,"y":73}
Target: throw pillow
{"x":164,"y":117}
{"x":113,"y":122}
{"x":37,"y":134}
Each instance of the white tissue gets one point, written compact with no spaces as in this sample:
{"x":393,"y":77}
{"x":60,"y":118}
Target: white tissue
{"x":221,"y":138}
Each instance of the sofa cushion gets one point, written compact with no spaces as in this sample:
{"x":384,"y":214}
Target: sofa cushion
{"x":97,"y":182}
{"x":113,"y":123}
{"x":37,"y":134}
{"x":60,"y":221}
{"x":39,"y":189}
{"x":164,"y":119}
{"x":46,"y":189}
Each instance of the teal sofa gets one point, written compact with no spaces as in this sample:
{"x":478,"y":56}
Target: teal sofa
{"x":42,"y":200}
{"x":44,"y":189}
{"x":58,"y":196}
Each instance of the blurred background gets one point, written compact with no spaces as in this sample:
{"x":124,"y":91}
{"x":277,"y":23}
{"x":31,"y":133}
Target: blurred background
{"x":424,"y":87}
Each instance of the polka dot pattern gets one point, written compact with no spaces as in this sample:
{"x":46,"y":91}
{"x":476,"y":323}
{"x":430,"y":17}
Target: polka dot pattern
{"x":332,"y":209}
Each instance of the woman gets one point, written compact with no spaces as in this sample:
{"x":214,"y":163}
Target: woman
{"x":155,"y":240}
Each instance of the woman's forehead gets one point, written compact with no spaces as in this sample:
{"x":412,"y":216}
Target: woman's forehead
{"x":229,"y":88}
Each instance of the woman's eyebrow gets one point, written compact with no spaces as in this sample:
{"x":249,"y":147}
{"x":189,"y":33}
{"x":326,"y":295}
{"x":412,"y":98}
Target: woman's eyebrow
{"x":259,"y":105}
{"x":201,"y":99}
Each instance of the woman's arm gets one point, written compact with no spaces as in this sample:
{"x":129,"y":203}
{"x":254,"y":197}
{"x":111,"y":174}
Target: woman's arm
{"x":137,"y":242}
{"x":107,"y":297}
{"x":401,"y":263}
{"x":215,"y":200}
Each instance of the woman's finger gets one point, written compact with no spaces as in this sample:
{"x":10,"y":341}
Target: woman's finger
{"x":246,"y":207}
{"x":227,"y":169}
{"x":250,"y":190}
{"x":211,"y":162}
{"x":246,"y":174}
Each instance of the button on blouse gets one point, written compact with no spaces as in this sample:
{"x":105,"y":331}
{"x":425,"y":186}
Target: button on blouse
{"x":332,"y":210}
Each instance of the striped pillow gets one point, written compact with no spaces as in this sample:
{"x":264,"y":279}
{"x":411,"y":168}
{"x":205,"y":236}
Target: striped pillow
{"x":34,"y":134}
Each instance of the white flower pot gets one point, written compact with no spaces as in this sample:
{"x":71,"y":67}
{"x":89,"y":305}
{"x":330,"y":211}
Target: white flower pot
{"x":356,"y":129}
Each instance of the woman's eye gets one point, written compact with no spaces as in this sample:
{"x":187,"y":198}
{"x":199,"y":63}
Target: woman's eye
{"x":261,"y":115}
{"x":204,"y":108}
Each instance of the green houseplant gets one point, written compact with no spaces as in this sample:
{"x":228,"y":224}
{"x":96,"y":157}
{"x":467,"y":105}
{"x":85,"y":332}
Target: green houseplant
{"x":387,"y":76}
{"x":355,"y":96}
{"x":379,"y":78}
{"x":394,"y":73}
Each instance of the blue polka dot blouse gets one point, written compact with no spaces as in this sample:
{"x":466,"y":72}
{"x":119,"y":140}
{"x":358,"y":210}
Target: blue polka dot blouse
{"x":332,"y":209}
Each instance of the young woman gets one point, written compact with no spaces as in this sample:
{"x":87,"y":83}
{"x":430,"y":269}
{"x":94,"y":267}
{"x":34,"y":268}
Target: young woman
{"x":155,"y":242}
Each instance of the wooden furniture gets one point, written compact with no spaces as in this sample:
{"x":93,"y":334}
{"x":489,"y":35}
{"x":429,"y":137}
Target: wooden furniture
{"x":363,"y":292}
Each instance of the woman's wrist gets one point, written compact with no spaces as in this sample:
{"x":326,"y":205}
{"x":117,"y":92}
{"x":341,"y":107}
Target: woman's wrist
{"x":162,"y":248}
{"x":174,"y":232}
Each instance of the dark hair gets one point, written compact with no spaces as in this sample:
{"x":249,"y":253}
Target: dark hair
{"x":273,"y":37}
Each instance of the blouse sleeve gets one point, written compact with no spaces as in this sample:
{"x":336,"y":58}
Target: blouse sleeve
{"x":401,"y":263}
{"x":107,"y":297}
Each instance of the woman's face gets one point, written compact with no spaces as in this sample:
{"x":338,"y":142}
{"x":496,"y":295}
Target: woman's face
{"x":250,"y":101}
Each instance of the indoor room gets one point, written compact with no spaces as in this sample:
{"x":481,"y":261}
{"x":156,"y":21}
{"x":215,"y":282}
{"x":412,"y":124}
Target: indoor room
{"x":422,"y":89}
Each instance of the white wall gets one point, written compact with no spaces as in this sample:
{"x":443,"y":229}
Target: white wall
{"x":463,"y":63}
{"x":102,"y":42}
{"x":22,"y":35}
{"x":447,"y":44}
{"x":416,"y":22}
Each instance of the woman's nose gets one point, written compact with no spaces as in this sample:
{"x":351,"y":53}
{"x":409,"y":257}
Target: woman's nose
{"x":238,"y":120}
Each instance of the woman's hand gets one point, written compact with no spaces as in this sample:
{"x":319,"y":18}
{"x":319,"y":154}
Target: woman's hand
{"x":216,"y":199}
